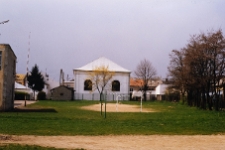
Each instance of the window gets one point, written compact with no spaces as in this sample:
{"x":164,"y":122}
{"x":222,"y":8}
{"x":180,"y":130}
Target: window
{"x":0,"y":60}
{"x":87,"y":85}
{"x":115,"y":85}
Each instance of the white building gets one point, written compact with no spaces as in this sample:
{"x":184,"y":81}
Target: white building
{"x":121,"y":77}
{"x":23,"y":89}
{"x":160,"y":91}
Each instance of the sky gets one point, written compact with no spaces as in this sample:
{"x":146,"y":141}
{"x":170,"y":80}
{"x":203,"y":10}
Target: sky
{"x":68,"y":34}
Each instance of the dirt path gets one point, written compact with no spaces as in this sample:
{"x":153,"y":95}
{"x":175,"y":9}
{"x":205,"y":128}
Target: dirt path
{"x":123,"y":142}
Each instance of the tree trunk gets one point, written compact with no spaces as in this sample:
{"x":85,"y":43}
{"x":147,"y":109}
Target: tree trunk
{"x":145,"y":98}
{"x":209,"y":101}
{"x":101,"y":102}
{"x":34,"y":95}
{"x":105,"y":107}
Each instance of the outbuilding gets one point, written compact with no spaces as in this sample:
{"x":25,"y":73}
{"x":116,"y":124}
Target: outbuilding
{"x":62,"y":92}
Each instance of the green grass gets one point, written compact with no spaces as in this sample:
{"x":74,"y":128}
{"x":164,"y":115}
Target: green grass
{"x":66,"y":118}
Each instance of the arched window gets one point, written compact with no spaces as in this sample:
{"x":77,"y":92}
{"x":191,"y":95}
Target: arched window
{"x":115,"y":85}
{"x":87,"y":85}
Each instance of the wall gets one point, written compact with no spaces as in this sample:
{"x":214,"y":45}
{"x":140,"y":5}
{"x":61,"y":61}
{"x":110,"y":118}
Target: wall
{"x":7,"y":77}
{"x":81,"y":76}
{"x":62,"y":93}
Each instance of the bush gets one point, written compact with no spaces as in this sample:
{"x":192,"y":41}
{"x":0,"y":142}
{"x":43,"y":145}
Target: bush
{"x":173,"y":96}
{"x":41,"y":95}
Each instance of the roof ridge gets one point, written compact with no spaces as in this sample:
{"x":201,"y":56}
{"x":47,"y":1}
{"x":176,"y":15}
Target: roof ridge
{"x":103,"y":61}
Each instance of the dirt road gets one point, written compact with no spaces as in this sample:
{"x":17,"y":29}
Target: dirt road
{"x":124,"y":142}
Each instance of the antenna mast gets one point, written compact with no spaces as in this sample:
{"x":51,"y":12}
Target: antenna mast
{"x":28,"y":55}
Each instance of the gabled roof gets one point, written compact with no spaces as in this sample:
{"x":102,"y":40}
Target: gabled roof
{"x":102,"y":61}
{"x":69,"y":88}
{"x":137,"y":83}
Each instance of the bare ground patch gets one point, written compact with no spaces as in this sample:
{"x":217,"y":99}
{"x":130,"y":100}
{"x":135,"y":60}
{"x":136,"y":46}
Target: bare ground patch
{"x":111,"y":107}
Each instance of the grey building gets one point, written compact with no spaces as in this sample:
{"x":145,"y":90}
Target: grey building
{"x":7,"y":77}
{"x":62,"y":93}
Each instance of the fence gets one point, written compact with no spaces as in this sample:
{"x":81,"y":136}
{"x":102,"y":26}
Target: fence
{"x":96,"y":96}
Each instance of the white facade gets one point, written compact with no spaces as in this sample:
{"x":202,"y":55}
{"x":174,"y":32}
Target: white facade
{"x":161,"y":89}
{"x":120,"y":74}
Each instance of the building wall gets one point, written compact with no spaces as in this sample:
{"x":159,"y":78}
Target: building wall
{"x":160,"y":91}
{"x":62,"y":93}
{"x":81,"y":76}
{"x":7,"y":77}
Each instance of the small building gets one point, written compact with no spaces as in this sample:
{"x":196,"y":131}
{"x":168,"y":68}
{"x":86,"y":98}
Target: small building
{"x":21,"y":92}
{"x":160,"y":91}
{"x":156,"y":88}
{"x":137,"y":84}
{"x":7,"y":77}
{"x":62,"y":93}
{"x":69,"y":83}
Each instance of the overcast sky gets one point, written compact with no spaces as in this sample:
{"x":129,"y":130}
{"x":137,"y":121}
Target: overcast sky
{"x":68,"y":34}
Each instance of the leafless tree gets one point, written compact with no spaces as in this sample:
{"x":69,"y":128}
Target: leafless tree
{"x":146,"y":72}
{"x":100,"y":77}
{"x":177,"y":71}
{"x":203,"y":65}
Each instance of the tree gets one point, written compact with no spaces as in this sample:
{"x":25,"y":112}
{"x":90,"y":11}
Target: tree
{"x":146,"y":72}
{"x":100,"y":76}
{"x":35,"y":80}
{"x":177,"y":71}
{"x":202,"y":71}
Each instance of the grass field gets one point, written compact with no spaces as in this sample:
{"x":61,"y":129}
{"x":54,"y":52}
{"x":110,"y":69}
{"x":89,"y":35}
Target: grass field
{"x":66,"y":118}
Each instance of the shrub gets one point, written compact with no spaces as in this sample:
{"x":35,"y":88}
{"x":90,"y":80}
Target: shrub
{"x":173,"y":96}
{"x":41,"y":95}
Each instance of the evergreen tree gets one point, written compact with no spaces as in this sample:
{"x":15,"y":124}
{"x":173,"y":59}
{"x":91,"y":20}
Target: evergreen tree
{"x":35,"y":80}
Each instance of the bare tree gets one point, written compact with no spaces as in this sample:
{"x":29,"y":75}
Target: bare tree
{"x":177,"y":71}
{"x":146,"y":72}
{"x":100,"y":76}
